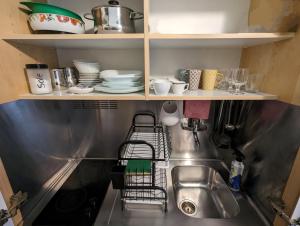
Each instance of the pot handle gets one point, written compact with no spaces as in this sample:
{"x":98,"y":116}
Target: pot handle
{"x":86,"y":16}
{"x":136,"y":15}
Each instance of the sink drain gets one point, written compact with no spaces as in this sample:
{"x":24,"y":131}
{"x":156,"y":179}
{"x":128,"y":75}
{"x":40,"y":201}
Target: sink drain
{"x":188,"y":207}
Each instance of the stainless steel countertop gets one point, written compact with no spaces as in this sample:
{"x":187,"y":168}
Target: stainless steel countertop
{"x":112,"y":214}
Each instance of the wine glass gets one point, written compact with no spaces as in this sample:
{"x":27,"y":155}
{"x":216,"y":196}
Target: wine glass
{"x":240,"y":78}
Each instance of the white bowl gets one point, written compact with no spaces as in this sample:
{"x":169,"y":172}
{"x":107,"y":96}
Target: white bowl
{"x":87,"y":67}
{"x":55,"y":22}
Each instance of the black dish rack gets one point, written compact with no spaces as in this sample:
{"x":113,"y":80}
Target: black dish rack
{"x":143,"y":142}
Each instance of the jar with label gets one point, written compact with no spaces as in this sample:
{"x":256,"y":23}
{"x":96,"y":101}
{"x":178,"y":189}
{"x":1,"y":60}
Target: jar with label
{"x":39,"y":78}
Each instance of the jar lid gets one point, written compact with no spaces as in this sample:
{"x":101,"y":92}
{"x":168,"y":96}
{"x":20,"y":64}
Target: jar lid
{"x":36,"y":66}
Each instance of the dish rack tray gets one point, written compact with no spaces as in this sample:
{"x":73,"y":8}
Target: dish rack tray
{"x":145,"y":143}
{"x":154,"y":134}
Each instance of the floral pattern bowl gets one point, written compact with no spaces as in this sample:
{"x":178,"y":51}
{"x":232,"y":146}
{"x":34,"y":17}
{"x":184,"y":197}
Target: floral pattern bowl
{"x":55,"y":22}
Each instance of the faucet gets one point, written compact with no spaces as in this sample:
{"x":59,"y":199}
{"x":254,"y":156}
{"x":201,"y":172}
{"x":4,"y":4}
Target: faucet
{"x":194,"y":125}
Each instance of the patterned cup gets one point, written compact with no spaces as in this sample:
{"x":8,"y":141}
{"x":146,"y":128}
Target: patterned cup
{"x":194,"y":78}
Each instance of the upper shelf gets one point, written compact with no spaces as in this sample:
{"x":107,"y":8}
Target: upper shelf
{"x":156,"y":40}
{"x":216,"y":40}
{"x":78,"y":40}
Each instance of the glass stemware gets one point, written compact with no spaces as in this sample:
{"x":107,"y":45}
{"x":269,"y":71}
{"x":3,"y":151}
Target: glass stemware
{"x":240,"y":78}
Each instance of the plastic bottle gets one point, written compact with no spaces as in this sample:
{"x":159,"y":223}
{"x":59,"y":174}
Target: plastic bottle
{"x":236,"y":172}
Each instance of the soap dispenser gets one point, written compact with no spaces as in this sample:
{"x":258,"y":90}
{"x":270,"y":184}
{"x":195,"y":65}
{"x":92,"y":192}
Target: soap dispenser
{"x":236,"y":172}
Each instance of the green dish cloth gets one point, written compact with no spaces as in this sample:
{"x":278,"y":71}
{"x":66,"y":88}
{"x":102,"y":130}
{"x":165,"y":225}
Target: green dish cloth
{"x":138,"y":166}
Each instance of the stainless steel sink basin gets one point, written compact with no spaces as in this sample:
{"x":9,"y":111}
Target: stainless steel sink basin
{"x":201,"y":192}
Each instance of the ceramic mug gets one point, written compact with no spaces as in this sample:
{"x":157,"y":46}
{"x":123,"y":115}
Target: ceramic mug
{"x":194,"y":78}
{"x":161,"y":86}
{"x":179,"y":88}
{"x":169,"y":114}
{"x":209,"y":79}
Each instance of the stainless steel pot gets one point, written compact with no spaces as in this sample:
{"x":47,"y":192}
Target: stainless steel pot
{"x":113,"y":18}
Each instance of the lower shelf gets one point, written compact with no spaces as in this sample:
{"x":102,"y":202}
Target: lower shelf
{"x":189,"y":95}
{"x":213,"y":95}
{"x":89,"y":96}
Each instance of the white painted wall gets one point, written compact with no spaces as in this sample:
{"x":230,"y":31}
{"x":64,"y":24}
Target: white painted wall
{"x":198,"y":16}
{"x":166,"y":16}
{"x":125,"y":59}
{"x":178,"y":16}
{"x":3,"y":206}
{"x":85,"y":6}
{"x":166,"y":62}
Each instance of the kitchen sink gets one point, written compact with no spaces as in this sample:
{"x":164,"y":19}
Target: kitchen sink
{"x":201,"y":192}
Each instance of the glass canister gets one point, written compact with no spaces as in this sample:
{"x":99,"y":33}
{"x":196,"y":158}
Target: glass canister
{"x":39,"y":78}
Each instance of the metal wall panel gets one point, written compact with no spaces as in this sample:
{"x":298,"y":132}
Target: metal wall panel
{"x":37,"y":137}
{"x":270,"y":139}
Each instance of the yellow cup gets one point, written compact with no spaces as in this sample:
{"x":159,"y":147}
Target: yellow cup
{"x":209,"y":78}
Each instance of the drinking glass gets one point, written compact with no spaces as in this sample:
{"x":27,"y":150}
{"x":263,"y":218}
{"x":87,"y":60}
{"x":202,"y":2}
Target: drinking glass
{"x":253,"y":82}
{"x":240,"y":78}
{"x":228,"y":78}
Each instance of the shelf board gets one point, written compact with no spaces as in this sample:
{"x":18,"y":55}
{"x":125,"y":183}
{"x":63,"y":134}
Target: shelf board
{"x":213,"y":95}
{"x":216,"y":40}
{"x":90,"y":96}
{"x":78,"y":40}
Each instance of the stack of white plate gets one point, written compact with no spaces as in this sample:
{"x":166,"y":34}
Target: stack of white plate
{"x":116,"y":81}
{"x":88,"y":72}
{"x":89,"y":79}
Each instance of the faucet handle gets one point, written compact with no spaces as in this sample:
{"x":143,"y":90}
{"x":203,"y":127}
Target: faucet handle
{"x":194,"y":125}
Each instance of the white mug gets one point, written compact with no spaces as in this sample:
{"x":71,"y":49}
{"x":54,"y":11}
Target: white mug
{"x":179,"y":88}
{"x":161,"y":86}
{"x":169,"y":114}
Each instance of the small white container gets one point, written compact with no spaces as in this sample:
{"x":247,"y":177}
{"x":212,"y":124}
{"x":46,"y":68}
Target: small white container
{"x":39,"y":78}
{"x":169,"y":114}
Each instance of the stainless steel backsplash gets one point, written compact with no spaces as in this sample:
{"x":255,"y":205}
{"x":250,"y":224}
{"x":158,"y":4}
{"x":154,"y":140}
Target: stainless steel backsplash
{"x":270,"y":139}
{"x":38,"y":137}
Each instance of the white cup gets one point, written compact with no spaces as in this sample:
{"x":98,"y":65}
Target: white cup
{"x":161,"y":86}
{"x":169,"y":114}
{"x":179,"y":88}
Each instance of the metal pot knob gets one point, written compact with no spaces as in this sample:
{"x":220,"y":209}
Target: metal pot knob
{"x":113,"y":2}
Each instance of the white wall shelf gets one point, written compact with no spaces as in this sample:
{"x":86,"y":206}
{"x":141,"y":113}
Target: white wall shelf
{"x":189,"y":95}
{"x":240,"y":40}
{"x":156,"y":40}
{"x":213,"y":95}
{"x":105,"y":41}
{"x":90,"y":96}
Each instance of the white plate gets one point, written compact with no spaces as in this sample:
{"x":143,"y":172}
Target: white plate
{"x":118,"y":75}
{"x":89,"y":76}
{"x":89,"y":82}
{"x":104,"y":89}
{"x":121,"y":85}
{"x":81,"y":90}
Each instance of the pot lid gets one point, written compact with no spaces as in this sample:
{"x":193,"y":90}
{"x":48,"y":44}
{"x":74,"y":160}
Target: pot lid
{"x":112,"y":3}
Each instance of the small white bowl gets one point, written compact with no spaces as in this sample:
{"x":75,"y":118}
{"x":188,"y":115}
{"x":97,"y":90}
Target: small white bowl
{"x":87,"y":67}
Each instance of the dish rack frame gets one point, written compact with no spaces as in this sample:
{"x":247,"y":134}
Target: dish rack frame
{"x":145,"y":142}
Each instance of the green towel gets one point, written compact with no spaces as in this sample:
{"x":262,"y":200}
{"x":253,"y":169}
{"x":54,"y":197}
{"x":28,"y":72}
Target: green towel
{"x":138,"y":166}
